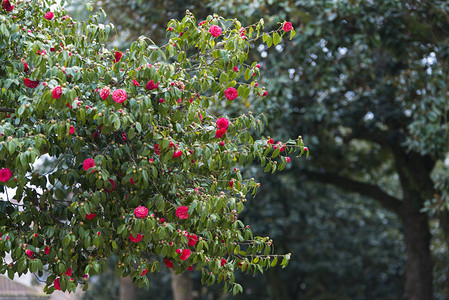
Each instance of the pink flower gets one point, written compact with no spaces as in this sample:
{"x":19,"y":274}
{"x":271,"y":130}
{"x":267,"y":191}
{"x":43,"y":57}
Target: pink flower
{"x":215,"y":31}
{"x":287,"y":159}
{"x":236,"y":69}
{"x":68,"y":272}
{"x":47,"y":250}
{"x":7,"y":5}
{"x":177,"y":154}
{"x":5,"y":174}
{"x":182,"y":212}
{"x":135,"y":82}
{"x":30,"y":83}
{"x":135,"y":239}
{"x":90,"y":217}
{"x":306,"y":149}
{"x":220,"y":133}
{"x":57,"y":284}
{"x":185,"y":254}
{"x":258,"y":66}
{"x":279,"y":145}
{"x":223,"y":262}
{"x":161,"y":100}
{"x":119,"y":96}
{"x":162,"y":220}
{"x":141,"y":211}
{"x":179,"y":251}
{"x":57,"y":92}
{"x":192,"y":239}
{"x":104,"y":93}
{"x":49,"y":15}
{"x":144,"y":272}
{"x":29,"y":253}
{"x":287,"y":26}
{"x":113,"y":186}
{"x":157,"y":150}
{"x":71,"y":130}
{"x":231,"y":93}
{"x":222,"y":123}
{"x":168,"y":263}
{"x":151,"y":85}
{"x":88,"y":163}
{"x":117,"y":56}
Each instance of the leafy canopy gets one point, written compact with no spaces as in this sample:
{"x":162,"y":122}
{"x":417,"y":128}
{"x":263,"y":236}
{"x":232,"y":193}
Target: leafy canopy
{"x":146,"y":167}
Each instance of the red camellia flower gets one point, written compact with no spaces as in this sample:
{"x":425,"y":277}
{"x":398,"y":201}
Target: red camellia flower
{"x":118,"y":56}
{"x":192,"y":239}
{"x":5,"y":174}
{"x":222,"y":123}
{"x":177,"y":154}
{"x":185,"y":254}
{"x":90,"y":216}
{"x":151,"y":85}
{"x":7,"y":5}
{"x":287,"y":159}
{"x":231,"y":93}
{"x":68,"y":272}
{"x":168,"y":263}
{"x":215,"y":31}
{"x":119,"y":96}
{"x":30,"y":83}
{"x":57,"y":284}
{"x":57,"y":92}
{"x":287,"y":26}
{"x":88,"y":163}
{"x":179,"y":251}
{"x":71,"y":130}
{"x":135,"y":82}
{"x":270,"y":141}
{"x":231,"y":183}
{"x":49,"y":15}
{"x":144,"y":272}
{"x":236,"y":69}
{"x":223,"y":262}
{"x":136,"y":239}
{"x":157,"y":150}
{"x":190,"y":268}
{"x":113,"y":186}
{"x":220,"y":133}
{"x":104,"y":93}
{"x":141,"y":211}
{"x":29,"y":253}
{"x":264,"y":93}
{"x":132,"y":181}
{"x":182,"y":212}
{"x":47,"y":250}
{"x":25,"y":67}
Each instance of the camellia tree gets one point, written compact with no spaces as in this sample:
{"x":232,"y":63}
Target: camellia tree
{"x":145,"y":166}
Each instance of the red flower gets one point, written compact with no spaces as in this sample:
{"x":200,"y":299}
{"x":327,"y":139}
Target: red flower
{"x":270,"y":141}
{"x":90,"y":217}
{"x":30,"y":83}
{"x":179,"y":251}
{"x":223,"y":262}
{"x":192,"y":239}
{"x":231,"y":183}
{"x":7,"y":5}
{"x":135,"y":239}
{"x":5,"y":174}
{"x":157,"y":150}
{"x":132,"y":181}
{"x":141,"y":211}
{"x":49,"y":15}
{"x":190,"y":268}
{"x":71,"y":130}
{"x":144,"y":272}
{"x":264,"y":93}
{"x":57,"y":284}
{"x":258,"y":66}
{"x":182,"y":212}
{"x":25,"y":67}
{"x":135,"y":82}
{"x":231,"y":93}
{"x":29,"y":253}
{"x":118,"y":56}
{"x":287,"y":159}
{"x":47,"y":250}
{"x":287,"y":26}
{"x":236,"y":69}
{"x":222,"y":123}
{"x":168,"y":263}
{"x":215,"y":31}
{"x":57,"y":92}
{"x":119,"y":96}
{"x":185,"y":254}
{"x":151,"y":85}
{"x":220,"y":133}
{"x":113,"y":186}
{"x":104,"y":93}
{"x":278,"y":144}
{"x":68,"y":272}
{"x":202,"y":23}
{"x":161,"y":100}
{"x":88,"y":163}
{"x":177,"y":154}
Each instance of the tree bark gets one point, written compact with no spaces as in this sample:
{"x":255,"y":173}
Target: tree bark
{"x":127,"y":289}
{"x":182,"y":286}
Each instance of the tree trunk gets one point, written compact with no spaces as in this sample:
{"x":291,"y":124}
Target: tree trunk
{"x":182,"y":286}
{"x":418,"y":267}
{"x":127,"y":289}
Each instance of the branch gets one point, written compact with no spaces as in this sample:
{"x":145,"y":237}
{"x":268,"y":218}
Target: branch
{"x":5,"y":109}
{"x":365,"y":189}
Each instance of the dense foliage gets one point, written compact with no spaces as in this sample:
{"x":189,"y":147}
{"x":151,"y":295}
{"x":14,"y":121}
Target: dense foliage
{"x":144,"y":168}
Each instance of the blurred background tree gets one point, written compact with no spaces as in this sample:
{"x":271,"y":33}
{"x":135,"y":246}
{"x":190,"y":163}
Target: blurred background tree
{"x":366,"y":216}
